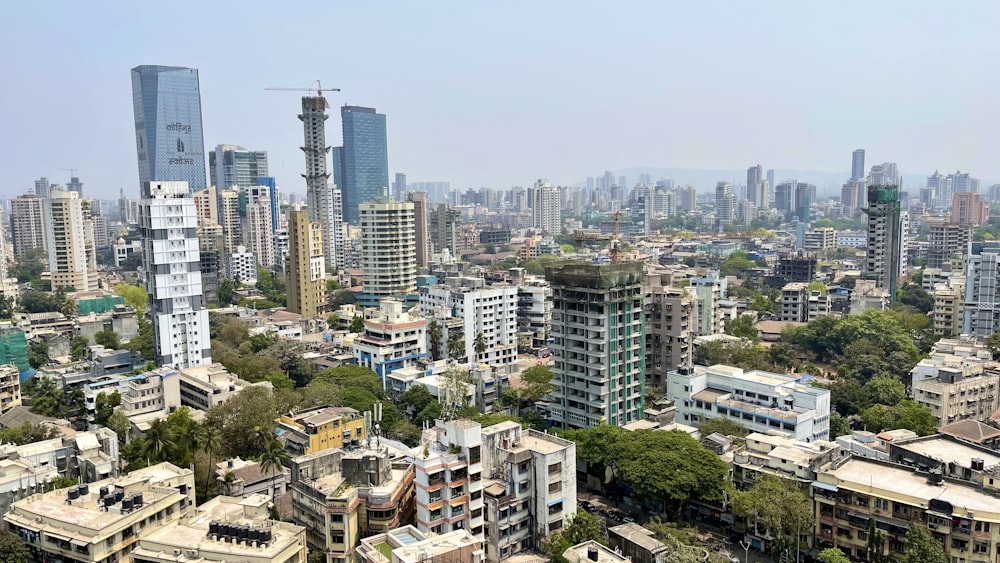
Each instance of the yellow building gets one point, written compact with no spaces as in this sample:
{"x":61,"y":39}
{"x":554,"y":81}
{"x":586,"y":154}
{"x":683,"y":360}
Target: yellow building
{"x":321,"y":428}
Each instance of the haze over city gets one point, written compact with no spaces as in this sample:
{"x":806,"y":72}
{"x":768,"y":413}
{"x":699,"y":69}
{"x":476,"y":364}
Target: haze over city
{"x":498,"y":95}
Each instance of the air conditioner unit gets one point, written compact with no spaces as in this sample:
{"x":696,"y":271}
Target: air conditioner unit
{"x":177,"y":552}
{"x":192,"y":553}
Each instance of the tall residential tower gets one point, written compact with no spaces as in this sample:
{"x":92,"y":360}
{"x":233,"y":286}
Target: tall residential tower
{"x":324,"y":200}
{"x":306,"y":264}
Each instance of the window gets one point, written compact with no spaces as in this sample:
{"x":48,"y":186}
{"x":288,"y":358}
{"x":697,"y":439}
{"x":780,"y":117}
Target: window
{"x":555,"y":487}
{"x":555,"y":468}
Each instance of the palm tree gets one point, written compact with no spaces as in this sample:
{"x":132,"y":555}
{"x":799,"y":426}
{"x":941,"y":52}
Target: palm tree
{"x":227,"y":483}
{"x":159,"y":441}
{"x":273,"y":457}
{"x":480,"y":344}
{"x":209,"y":439}
{"x":456,"y":346}
{"x":434,"y":333}
{"x":262,"y":436}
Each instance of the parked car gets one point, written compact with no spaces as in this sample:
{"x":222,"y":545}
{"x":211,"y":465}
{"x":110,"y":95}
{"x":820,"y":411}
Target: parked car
{"x":588,"y":506}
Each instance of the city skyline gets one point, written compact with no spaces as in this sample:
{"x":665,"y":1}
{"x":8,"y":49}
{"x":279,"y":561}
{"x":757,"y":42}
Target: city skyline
{"x":473,"y":117}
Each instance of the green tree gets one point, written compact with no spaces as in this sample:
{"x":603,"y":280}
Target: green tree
{"x":142,"y":343}
{"x":905,"y":414}
{"x":736,"y":264}
{"x":776,"y":505}
{"x":917,"y":297}
{"x":993,"y":343}
{"x":922,"y":548}
{"x":885,"y":390}
{"x":227,"y":289}
{"x":120,"y":425}
{"x":839,"y":426}
{"x":78,"y":348}
{"x":357,"y":324}
{"x":134,"y":295}
{"x":104,"y":407}
{"x":582,"y":528}
{"x":876,"y":544}
{"x":818,"y":286}
{"x":743,"y":327}
{"x":434,"y":335}
{"x":158,"y":443}
{"x":833,"y":555}
{"x":108,"y":339}
{"x":332,"y":322}
{"x":13,"y":549}
{"x":236,"y":419}
{"x":480,"y":344}
{"x":274,"y":458}
{"x":724,"y":426}
{"x":536,"y":383}
{"x":456,"y":345}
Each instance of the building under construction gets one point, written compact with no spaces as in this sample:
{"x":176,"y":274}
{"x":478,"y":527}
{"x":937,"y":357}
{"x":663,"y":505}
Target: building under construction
{"x":885,"y":238}
{"x":599,"y":343}
{"x":325,"y":205}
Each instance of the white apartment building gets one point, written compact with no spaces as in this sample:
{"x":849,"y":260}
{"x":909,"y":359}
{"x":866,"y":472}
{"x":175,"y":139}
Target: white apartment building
{"x":449,"y":478}
{"x":949,"y":308}
{"x":225,"y":529}
{"x":780,"y":456}
{"x":10,"y":387}
{"x":205,"y":386}
{"x":393,"y":339}
{"x":206,"y":202}
{"x":123,"y":250}
{"x":243,"y":265}
{"x":487,"y":310}
{"x":801,"y":305}
{"x":170,"y":257}
{"x":852,"y":239}
{"x":388,"y":248}
{"x":534,"y":311}
{"x":229,"y":218}
{"x":101,"y":522}
{"x":823,"y":238}
{"x":959,"y":381}
{"x":707,"y":292}
{"x":258,"y":232}
{"x":66,"y":242}
{"x":531,"y":487}
{"x":27,"y":228}
{"x":156,"y":391}
{"x":547,"y":208}
{"x":982,"y":292}
{"x":759,"y":400}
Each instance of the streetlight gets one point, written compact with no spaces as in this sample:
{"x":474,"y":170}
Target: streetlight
{"x":746,"y":551}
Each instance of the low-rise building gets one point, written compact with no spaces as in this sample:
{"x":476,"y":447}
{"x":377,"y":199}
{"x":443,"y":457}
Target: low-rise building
{"x":10,"y":387}
{"x":410,"y":545}
{"x":392,"y":339}
{"x":760,"y":400}
{"x":591,"y":551}
{"x":449,"y":478}
{"x":341,"y":496}
{"x":532,"y":488}
{"x":221,"y":530}
{"x":321,"y":428}
{"x":203,"y":387}
{"x":959,"y":381}
{"x":638,"y":544}
{"x":102,"y":521}
{"x":780,"y":456}
{"x":240,"y":478}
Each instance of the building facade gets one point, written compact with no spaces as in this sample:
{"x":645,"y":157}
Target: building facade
{"x":392,"y":339}
{"x":388,"y":248}
{"x":982,"y":292}
{"x":306,"y":264}
{"x":324,"y":200}
{"x":364,"y":161}
{"x":233,"y":165}
{"x":885,"y":237}
{"x":168,"y":129}
{"x":66,"y":241}
{"x":170,"y":256}
{"x":27,"y":228}
{"x":547,"y":208}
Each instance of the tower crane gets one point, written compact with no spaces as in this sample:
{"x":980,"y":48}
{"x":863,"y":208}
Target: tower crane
{"x":318,"y":89}
{"x":614,"y":252}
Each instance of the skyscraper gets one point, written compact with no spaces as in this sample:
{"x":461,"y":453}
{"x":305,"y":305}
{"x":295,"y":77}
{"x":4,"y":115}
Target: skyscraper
{"x":399,"y":186}
{"x":170,"y":257}
{"x":805,"y":195}
{"x":206,"y":202}
{"x":609,"y":357}
{"x":968,"y":209}
{"x":168,"y":130}
{"x":755,"y":179}
{"x":306,"y":264}
{"x":885,"y":237}
{"x":258,"y":235}
{"x":725,"y":205}
{"x":388,"y":249}
{"x":688,"y":198}
{"x":229,"y":219}
{"x":364,"y":162}
{"x":419,"y":200}
{"x":784,"y":197}
{"x":324,"y":200}
{"x":547,"y":208}
{"x":42,"y":187}
{"x":886,"y":174}
{"x":857,"y":165}
{"x":65,"y":242}
{"x":75,"y":185}
{"x":443,"y":226}
{"x":233,"y":165}
{"x":27,"y":228}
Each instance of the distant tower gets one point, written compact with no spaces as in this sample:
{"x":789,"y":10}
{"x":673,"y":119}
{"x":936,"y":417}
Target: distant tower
{"x":420,"y":217}
{"x":233,"y":165}
{"x":27,"y":229}
{"x":857,"y":165}
{"x":171,"y":259}
{"x":322,"y":200}
{"x":547,"y":208}
{"x":755,"y":180}
{"x":168,"y":134}
{"x":42,"y":187}
{"x":75,"y":185}
{"x":364,"y":159}
{"x":885,"y":237}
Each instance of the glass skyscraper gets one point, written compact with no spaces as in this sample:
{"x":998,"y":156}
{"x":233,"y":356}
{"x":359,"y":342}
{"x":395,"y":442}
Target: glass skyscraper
{"x":168,"y":132}
{"x":363,"y":167}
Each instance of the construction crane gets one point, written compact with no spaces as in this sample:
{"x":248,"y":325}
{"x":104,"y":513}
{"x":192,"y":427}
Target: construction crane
{"x":614,"y":252}
{"x":72,"y":171}
{"x":318,"y":89}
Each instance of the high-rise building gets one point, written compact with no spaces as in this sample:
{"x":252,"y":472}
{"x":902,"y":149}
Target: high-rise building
{"x":128,"y":209}
{"x":547,"y":208}
{"x":420,"y":218}
{"x":770,"y":181}
{"x":272,"y":190}
{"x":306,"y":264}
{"x":669,"y":339}
{"x":947,"y":243}
{"x":233,"y":165}
{"x":364,"y":162}
{"x":258,"y":235}
{"x":784,"y":197}
{"x":75,"y":185}
{"x":42,"y":187}
{"x":938,"y":190}
{"x":963,"y":182}
{"x":968,"y":209}
{"x":725,"y":205}
{"x":851,"y":195}
{"x":66,"y":242}
{"x":443,"y":226}
{"x":168,"y":130}
{"x":755,"y":179}
{"x":805,"y":195}
{"x":885,"y":238}
{"x":388,"y":248}
{"x":324,"y":200}
{"x":229,"y":219}
{"x":171,"y":259}
{"x":857,"y":165}
{"x":885,"y":174}
{"x":688,"y":198}
{"x":206,"y":202}
{"x":399,"y":186}
{"x":982,"y":292}
{"x":27,"y":229}
{"x":600,"y":371}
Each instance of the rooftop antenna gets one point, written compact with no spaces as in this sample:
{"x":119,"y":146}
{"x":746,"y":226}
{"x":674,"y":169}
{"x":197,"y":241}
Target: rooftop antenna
{"x":376,"y":427}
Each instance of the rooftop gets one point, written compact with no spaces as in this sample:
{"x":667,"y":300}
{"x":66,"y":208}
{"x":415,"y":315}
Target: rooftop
{"x":947,"y":450}
{"x":971,"y":431}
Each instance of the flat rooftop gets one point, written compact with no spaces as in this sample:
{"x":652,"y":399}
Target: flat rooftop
{"x":863,"y":476}
{"x":949,"y":451}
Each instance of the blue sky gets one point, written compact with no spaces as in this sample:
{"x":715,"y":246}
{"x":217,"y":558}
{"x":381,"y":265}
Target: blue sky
{"x":499,"y":93}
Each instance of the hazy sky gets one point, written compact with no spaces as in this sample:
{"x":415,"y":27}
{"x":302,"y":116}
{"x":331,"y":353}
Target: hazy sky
{"x":499,"y":93}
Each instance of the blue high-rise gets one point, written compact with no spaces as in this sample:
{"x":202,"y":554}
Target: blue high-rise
{"x":363,"y":167}
{"x":168,"y":131}
{"x":272,"y":186}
